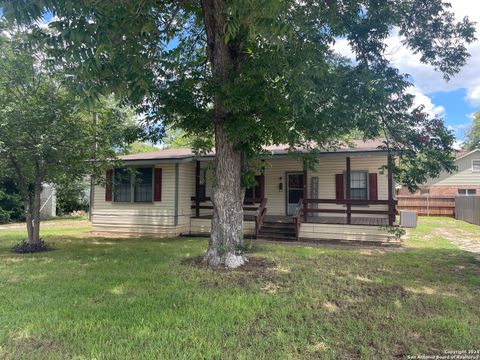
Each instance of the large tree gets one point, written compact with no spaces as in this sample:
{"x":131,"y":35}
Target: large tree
{"x":45,"y":136}
{"x":261,"y":72}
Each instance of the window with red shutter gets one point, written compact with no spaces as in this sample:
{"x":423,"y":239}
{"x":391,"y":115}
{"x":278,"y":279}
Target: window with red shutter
{"x":373,"y":186}
{"x":339,"y":187}
{"x":158,"y":185}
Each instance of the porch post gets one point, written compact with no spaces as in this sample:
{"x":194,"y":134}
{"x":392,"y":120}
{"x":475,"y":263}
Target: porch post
{"x":391,"y":201}
{"x":305,"y":192}
{"x":347,"y":191}
{"x":197,"y":189}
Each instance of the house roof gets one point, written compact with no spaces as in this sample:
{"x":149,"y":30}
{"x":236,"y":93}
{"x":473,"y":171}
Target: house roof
{"x":464,"y":153}
{"x":186,"y":153}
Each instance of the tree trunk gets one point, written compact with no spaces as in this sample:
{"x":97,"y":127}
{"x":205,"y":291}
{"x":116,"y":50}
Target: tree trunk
{"x":28,"y":218}
{"x":227,"y":199}
{"x":36,"y":211}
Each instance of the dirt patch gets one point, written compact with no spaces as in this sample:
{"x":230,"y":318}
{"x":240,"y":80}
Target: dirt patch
{"x":465,"y":240}
{"x":258,"y":271}
{"x":254,"y":265}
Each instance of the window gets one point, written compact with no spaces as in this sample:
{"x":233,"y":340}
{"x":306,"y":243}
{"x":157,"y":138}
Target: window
{"x":122,"y":185}
{"x":359,"y":185}
{"x":476,"y":165}
{"x":133,"y":185}
{"x":143,"y":179}
{"x":467,"y":192}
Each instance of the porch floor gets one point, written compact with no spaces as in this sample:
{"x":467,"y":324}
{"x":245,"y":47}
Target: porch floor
{"x":373,"y":221}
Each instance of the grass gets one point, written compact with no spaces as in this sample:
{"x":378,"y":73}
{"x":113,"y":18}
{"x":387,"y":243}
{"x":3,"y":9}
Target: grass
{"x":132,"y":298}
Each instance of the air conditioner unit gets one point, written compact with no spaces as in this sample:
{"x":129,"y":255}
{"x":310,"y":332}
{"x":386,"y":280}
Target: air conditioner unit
{"x":408,"y":219}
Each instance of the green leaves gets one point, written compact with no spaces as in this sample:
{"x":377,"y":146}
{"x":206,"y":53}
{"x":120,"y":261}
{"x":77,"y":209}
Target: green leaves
{"x":45,"y":132}
{"x":284,"y":84}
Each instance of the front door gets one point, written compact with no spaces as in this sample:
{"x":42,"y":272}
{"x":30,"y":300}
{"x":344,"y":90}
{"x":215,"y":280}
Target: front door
{"x":295,"y":190}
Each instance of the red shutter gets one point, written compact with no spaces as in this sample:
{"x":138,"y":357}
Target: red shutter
{"x":260,"y":187}
{"x":339,"y":192}
{"x":157,"y":189}
{"x":373,"y":186}
{"x":108,"y":186}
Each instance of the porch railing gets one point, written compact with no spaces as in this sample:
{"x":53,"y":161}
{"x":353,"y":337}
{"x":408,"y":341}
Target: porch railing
{"x":260,"y":216}
{"x":390,"y":212}
{"x":297,"y":218}
{"x":248,"y":205}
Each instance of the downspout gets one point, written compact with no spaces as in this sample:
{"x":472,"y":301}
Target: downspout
{"x":177,"y":165}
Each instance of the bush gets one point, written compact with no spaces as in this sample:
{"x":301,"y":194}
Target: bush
{"x":26,"y":248}
{"x":72,"y":197}
{"x":11,"y":205}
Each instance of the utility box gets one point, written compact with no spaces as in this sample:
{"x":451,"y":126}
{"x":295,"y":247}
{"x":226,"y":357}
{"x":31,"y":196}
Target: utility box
{"x":408,"y":219}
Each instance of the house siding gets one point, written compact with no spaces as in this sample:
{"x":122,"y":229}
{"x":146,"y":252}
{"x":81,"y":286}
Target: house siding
{"x":464,"y":175}
{"x":173,"y":215}
{"x":146,"y":218}
{"x":448,"y":184}
{"x":326,"y":169}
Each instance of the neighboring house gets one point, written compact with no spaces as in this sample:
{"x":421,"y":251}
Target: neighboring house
{"x":463,"y":182}
{"x":168,"y":193}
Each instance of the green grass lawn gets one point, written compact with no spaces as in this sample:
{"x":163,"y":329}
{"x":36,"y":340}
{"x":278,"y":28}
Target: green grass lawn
{"x":133,"y":298}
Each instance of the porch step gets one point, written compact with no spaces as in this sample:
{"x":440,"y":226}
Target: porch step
{"x":282,"y":231}
{"x":276,"y":237}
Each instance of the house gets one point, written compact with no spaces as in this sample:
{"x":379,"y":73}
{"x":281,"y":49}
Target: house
{"x":168,"y":194}
{"x":463,"y":182}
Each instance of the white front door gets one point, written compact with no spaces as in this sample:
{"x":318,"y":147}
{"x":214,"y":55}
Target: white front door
{"x":295,"y":188}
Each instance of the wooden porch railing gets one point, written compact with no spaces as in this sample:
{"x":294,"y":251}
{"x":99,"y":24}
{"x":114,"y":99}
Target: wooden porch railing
{"x":260,"y":211}
{"x":297,"y":218}
{"x":390,"y":212}
{"x":197,"y":207}
{"x":260,"y":216}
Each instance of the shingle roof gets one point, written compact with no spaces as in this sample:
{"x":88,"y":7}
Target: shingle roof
{"x":185,"y":153}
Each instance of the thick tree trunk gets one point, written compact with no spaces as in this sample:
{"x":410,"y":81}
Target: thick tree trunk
{"x":227,"y":199}
{"x":227,"y":220}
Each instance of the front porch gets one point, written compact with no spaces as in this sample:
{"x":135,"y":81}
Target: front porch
{"x":345,"y":216}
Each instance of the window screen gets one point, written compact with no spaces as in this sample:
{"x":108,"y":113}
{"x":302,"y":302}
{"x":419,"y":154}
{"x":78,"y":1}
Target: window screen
{"x":476,"y":165}
{"x":467,"y":192}
{"x":122,"y":185}
{"x":143,"y":184}
{"x":133,"y":185}
{"x":358,"y":186}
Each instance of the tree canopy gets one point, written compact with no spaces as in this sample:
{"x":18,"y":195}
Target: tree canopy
{"x":45,"y":136}
{"x":261,"y":72}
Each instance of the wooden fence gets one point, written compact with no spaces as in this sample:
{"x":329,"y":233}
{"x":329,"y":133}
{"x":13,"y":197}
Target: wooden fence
{"x":427,"y":204}
{"x":467,"y":208}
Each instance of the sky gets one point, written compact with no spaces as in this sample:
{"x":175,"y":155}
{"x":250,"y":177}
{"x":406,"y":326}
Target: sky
{"x":456,"y":100}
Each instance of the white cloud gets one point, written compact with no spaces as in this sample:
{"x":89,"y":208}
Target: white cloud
{"x":458,"y":144}
{"x":422,"y":99}
{"x":424,"y":76}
